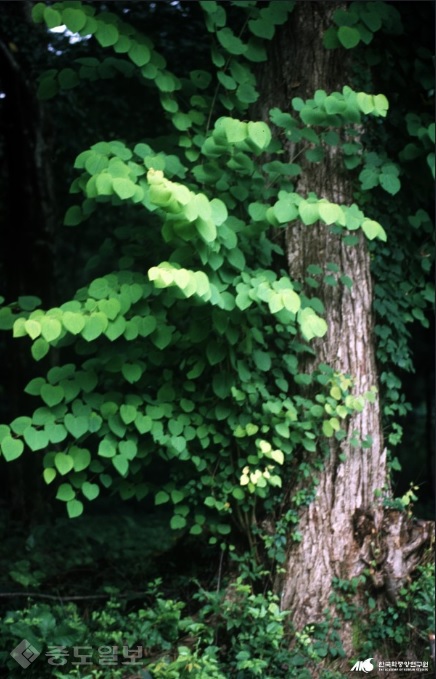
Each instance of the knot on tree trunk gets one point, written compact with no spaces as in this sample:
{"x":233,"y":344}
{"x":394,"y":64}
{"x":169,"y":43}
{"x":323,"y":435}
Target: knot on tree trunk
{"x":392,"y":546}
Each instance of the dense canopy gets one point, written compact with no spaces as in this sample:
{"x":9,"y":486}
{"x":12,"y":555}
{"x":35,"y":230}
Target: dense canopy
{"x":217,"y":291}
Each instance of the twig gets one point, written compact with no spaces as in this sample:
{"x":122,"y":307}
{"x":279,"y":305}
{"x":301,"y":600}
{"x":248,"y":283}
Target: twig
{"x":60,"y":597}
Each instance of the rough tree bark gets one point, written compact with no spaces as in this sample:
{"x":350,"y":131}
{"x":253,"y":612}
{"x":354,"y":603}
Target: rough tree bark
{"x":345,"y":527}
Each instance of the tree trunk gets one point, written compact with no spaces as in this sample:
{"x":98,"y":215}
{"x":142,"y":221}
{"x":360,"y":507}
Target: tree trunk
{"x":345,"y":527}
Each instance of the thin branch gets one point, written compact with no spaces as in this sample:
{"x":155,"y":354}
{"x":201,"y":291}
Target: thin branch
{"x":59,"y":597}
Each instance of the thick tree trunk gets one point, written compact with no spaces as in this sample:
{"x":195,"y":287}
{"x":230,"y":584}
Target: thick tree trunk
{"x":345,"y":527}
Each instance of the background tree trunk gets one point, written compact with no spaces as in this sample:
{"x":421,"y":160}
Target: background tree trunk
{"x":28,"y":220}
{"x":345,"y":527}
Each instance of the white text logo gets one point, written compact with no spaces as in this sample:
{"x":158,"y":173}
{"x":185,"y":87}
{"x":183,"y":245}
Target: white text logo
{"x":363,"y":666}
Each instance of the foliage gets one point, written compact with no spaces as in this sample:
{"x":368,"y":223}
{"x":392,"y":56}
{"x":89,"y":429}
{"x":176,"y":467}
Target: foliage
{"x":236,"y":631}
{"x":177,"y":377}
{"x":240,"y":633}
{"x":182,"y":352}
{"x":408,"y":622}
{"x":402,"y":267}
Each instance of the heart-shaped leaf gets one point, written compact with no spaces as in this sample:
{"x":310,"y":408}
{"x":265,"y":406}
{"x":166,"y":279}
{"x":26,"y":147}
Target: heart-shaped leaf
{"x":77,"y":426}
{"x":74,"y":508}
{"x":64,"y":463}
{"x":90,"y":490}
{"x":11,"y":448}
{"x":52,"y":395}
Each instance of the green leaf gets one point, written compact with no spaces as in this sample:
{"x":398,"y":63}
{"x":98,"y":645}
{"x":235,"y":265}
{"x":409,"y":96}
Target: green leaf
{"x":381,"y":104}
{"x":247,"y":93}
{"x":121,"y":464}
{"x":107,"y":448}
{"x":161,"y":498}
{"x":262,"y":360}
{"x":75,"y":19}
{"x":106,"y":34}
{"x":348,"y":37}
{"x":291,"y":301}
{"x":52,"y":17}
{"x":35,"y":438}
{"x":11,"y":448}
{"x":166,"y":82}
{"x":49,"y":475}
{"x":38,"y":12}
{"x":96,"y":162}
{"x":52,"y":395}
{"x":51,"y":328}
{"x":390,"y":183}
{"x":311,"y":324}
{"x":230,"y":42}
{"x":123,"y":187}
{"x":95,"y":325}
{"x":74,"y":508}
{"x":103,"y":184}
{"x":6,"y":319}
{"x":73,"y":216}
{"x":99,"y":288}
{"x":238,"y":493}
{"x":68,"y":79}
{"x":177,"y":496}
{"x":73,"y":322}
{"x":315,"y":155}
{"x":371,"y":229}
{"x":76,"y":425}
{"x":219,"y":211}
{"x":20,"y":424}
{"x":116,"y":328}
{"x":90,"y":490}
{"x":215,"y":352}
{"x":64,"y":463}
{"x":128,"y":448}
{"x":131,"y":372}
{"x":277,"y":456}
{"x":261,"y":28}
{"x":309,"y":212}
{"x":236,"y":259}
{"x":65,"y":492}
{"x":206,"y":229}
{"x":81,"y":458}
{"x":284,"y":211}
{"x":330,"y":213}
{"x":110,"y":307}
{"x":235,"y":130}
{"x":336,"y":393}
{"x":330,"y":38}
{"x":29,"y":302}
{"x":260,"y":134}
{"x":201,"y":79}
{"x":87,"y":380}
{"x":128,"y":413}
{"x":177,"y":522}
{"x":347,"y":281}
{"x":365,"y":102}
{"x":139,"y":54}
{"x":33,"y":328}
{"x":221,"y":384}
